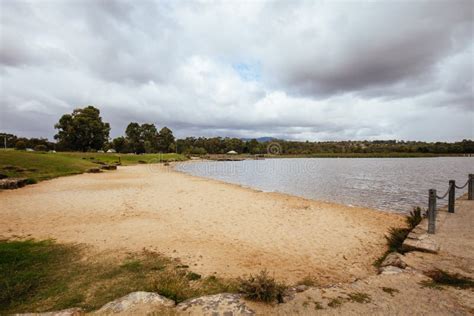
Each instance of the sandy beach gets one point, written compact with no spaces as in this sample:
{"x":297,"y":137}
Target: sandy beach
{"x":211,"y":226}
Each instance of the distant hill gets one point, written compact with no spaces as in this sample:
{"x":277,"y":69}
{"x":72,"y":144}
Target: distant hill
{"x":260,"y":139}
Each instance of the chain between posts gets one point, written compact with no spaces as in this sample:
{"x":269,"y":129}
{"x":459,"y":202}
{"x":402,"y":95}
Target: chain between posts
{"x":432,"y":197}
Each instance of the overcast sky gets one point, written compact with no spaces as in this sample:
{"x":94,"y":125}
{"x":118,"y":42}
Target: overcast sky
{"x":310,"y":70}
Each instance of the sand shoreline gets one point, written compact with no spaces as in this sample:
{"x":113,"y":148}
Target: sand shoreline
{"x":211,"y":225}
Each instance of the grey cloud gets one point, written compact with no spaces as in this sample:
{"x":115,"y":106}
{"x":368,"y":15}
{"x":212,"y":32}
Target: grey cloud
{"x":329,"y":70}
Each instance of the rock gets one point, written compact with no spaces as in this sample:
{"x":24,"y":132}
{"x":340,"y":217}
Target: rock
{"x":422,"y":243}
{"x":394,"y":259}
{"x":75,"y":311}
{"x":9,"y":184}
{"x":134,"y":300}
{"x":301,"y":288}
{"x":93,"y":170}
{"x":390,"y":270}
{"x":3,"y":176}
{"x":219,"y":304}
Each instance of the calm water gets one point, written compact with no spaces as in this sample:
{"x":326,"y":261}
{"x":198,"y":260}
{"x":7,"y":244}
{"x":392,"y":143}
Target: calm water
{"x":395,"y":184}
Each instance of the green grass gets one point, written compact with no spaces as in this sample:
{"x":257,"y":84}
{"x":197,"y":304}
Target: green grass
{"x":38,"y":166}
{"x":38,"y":276}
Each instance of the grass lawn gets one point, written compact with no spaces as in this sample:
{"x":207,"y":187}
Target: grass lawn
{"x":37,"y":276}
{"x":40,"y":166}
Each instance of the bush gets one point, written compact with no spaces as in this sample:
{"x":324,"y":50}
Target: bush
{"x":20,"y":145}
{"x":41,"y":148}
{"x":396,"y":238}
{"x":262,"y":288}
{"x":414,"y":218}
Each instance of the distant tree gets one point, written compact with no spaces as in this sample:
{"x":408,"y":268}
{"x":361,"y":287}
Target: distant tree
{"x":120,"y":144}
{"x":165,"y":140}
{"x":41,"y":148}
{"x":9,"y":139}
{"x":82,"y":130}
{"x":150,"y":137}
{"x":20,"y":145}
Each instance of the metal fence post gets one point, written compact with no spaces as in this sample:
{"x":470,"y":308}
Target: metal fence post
{"x":452,"y":195}
{"x":470,"y":187}
{"x":431,"y":211}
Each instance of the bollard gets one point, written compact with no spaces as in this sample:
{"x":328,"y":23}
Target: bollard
{"x":452,"y":195}
{"x":470,"y":187}
{"x":431,"y":211}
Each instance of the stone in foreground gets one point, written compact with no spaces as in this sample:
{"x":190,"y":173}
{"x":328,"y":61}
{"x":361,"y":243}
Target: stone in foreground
{"x":421,"y":242}
{"x":134,"y":300}
{"x":219,"y":304}
{"x":65,"y":312}
{"x":394,"y":259}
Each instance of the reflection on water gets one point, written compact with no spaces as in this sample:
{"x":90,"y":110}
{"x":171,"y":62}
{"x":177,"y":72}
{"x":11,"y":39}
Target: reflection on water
{"x":395,"y":184}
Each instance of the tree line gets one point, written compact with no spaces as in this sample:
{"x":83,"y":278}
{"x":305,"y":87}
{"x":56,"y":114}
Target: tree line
{"x":84,"y":130}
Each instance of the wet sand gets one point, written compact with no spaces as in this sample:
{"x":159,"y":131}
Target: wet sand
{"x":211,"y":226}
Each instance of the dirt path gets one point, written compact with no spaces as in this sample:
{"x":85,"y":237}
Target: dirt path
{"x":211,"y":226}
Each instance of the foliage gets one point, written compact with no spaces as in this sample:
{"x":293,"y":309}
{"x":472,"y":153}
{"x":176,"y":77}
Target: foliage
{"x":414,"y":218}
{"x":41,"y":148}
{"x":20,"y":145}
{"x":360,"y":297}
{"x":82,"y":130}
{"x":42,"y":166}
{"x":262,"y":288}
{"x":396,"y":238}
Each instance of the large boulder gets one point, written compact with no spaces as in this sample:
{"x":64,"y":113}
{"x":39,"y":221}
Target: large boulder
{"x":136,"y":301}
{"x":218,"y":304}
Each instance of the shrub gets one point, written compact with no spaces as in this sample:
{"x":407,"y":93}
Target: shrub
{"x":262,"y":288}
{"x":414,"y":218}
{"x":41,"y":148}
{"x":20,"y":145}
{"x":193,"y":276}
{"x":396,"y":238}
{"x":360,"y":297}
{"x":173,"y":285}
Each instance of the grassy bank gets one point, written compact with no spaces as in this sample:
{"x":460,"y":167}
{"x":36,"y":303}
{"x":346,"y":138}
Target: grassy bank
{"x":42,"y":166}
{"x":38,"y":276}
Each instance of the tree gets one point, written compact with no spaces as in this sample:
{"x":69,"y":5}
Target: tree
{"x":20,"y":145}
{"x":165,"y":140}
{"x":82,"y":130}
{"x":120,"y":144}
{"x":133,"y":134}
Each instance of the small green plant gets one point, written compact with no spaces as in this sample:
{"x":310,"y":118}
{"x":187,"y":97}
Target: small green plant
{"x":173,"y":286}
{"x":414,"y":218}
{"x":308,"y":281}
{"x":31,"y":181}
{"x":335,"y":302}
{"x":262,"y":288}
{"x":390,"y":290}
{"x":193,"y":276}
{"x":318,"y":305}
{"x":440,"y":277}
{"x":396,"y":238}
{"x":359,"y":297}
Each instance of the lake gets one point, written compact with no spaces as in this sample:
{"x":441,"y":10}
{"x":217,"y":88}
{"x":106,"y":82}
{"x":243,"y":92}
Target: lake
{"x":392,"y":184}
